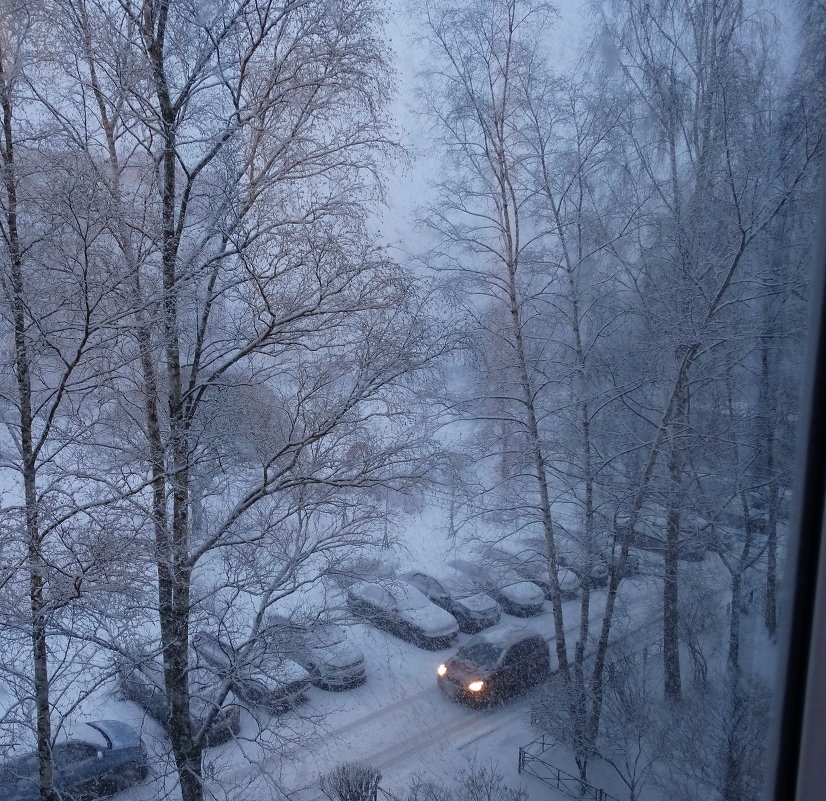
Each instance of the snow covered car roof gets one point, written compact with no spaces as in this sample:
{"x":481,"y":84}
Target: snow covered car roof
{"x":506,"y":581}
{"x":478,"y":602}
{"x":408,"y":603}
{"x":260,"y":662}
{"x":505,"y":634}
{"x":567,"y":579}
{"x":460,"y":588}
{"x":323,"y":643}
{"x":523,"y":592}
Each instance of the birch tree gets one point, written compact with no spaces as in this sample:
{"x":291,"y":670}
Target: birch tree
{"x":60,"y":301}
{"x":272,"y":345}
{"x":481,"y":52}
{"x":692,"y":68}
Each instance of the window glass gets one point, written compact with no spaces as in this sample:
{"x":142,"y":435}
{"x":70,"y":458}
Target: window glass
{"x":300,"y":299}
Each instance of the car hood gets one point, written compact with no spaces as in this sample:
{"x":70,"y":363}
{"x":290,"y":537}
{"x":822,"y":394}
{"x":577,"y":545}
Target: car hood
{"x":523,"y":592}
{"x":432,"y":620}
{"x":461,"y":671}
{"x":480,"y":603}
{"x":119,"y":734}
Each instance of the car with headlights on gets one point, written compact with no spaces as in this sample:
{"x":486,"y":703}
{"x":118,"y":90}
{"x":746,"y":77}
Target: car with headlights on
{"x":260,"y":675}
{"x":399,"y":608}
{"x":454,"y":592}
{"x":495,"y":664}
{"x":322,"y":649}
{"x":514,"y":594}
{"x":142,"y":681}
{"x":102,"y":757}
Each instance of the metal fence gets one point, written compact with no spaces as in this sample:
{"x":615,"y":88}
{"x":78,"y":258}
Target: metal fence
{"x":533,"y":763}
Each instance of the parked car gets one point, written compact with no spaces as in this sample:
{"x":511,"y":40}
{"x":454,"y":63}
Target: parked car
{"x":515,"y":595}
{"x":322,"y":649}
{"x":472,"y":609}
{"x":532,"y":566}
{"x":259,"y":675}
{"x":142,"y":681}
{"x":495,"y":664}
{"x":102,"y":758}
{"x":401,"y":609}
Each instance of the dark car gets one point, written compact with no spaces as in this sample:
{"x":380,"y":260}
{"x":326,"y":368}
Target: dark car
{"x":322,"y":649}
{"x":142,"y":681}
{"x":103,"y":758}
{"x":259,"y":676}
{"x":401,"y":609}
{"x":495,"y":664}
{"x":515,"y":595}
{"x":472,"y":609}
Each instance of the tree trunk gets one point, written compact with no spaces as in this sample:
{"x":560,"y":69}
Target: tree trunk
{"x":767,"y":434}
{"x":541,"y":478}
{"x":770,"y":608}
{"x":671,"y":612}
{"x":510,"y":231}
{"x":671,"y":643}
{"x":734,"y":622}
{"x":173,"y":566}
{"x":36,"y":565}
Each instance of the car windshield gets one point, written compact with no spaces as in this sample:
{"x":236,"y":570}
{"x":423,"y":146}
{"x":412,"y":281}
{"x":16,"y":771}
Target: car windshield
{"x":308,"y":303}
{"x":481,"y":653}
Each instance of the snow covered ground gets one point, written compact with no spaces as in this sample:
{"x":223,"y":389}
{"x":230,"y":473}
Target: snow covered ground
{"x":398,"y":721}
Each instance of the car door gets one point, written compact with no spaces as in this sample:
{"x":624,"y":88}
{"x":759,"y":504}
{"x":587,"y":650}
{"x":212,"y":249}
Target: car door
{"x":537,"y":662}
{"x":511,"y":672}
{"x":79,"y":768}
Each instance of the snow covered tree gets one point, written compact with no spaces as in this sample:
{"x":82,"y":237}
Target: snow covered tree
{"x":268,"y":346}
{"x":482,"y":51}
{"x":60,"y":304}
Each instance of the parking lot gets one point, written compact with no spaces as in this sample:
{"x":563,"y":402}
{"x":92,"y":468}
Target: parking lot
{"x":397,"y":721}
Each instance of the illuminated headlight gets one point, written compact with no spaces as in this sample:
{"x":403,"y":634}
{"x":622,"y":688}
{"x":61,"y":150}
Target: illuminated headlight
{"x":476,"y":686}
{"x":441,"y":670}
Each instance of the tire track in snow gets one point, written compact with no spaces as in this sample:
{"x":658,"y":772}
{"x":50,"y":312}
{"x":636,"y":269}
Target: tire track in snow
{"x":382,"y":712}
{"x":435,"y":736}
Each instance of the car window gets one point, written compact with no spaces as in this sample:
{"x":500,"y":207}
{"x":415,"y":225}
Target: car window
{"x":68,"y":754}
{"x":484,"y":654}
{"x":515,"y":655}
